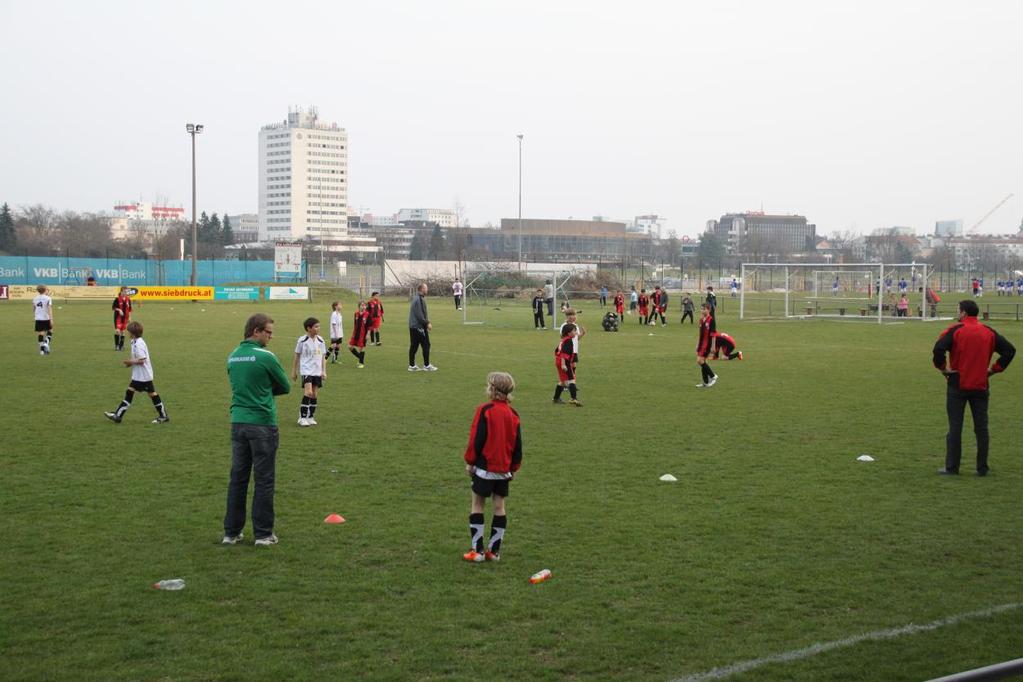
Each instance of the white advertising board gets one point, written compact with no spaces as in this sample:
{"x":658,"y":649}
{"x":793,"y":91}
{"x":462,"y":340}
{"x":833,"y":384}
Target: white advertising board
{"x":288,"y":293}
{"x":287,"y":258}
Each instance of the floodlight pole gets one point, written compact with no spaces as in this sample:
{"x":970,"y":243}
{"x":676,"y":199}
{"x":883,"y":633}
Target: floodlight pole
{"x":520,"y":200}
{"x":194,"y":129}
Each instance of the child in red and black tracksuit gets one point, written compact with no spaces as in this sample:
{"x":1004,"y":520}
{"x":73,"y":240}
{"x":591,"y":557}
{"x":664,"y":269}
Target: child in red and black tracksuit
{"x":619,"y":304}
{"x":564,"y":361}
{"x":644,"y":306}
{"x":122,"y":315}
{"x":357,"y":344}
{"x":705,"y":345}
{"x":724,"y":343}
{"x":375,"y":310}
{"x":492,"y":457}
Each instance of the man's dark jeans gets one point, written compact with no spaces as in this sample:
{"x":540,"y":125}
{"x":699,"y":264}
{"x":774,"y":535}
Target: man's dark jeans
{"x":418,"y":338}
{"x":955,"y":405}
{"x":253,"y":448}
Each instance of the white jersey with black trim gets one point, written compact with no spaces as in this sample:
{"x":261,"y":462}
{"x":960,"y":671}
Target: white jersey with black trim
{"x":140,"y":351}
{"x":311,"y":351}
{"x":337,"y":327}
{"x":43,"y":305}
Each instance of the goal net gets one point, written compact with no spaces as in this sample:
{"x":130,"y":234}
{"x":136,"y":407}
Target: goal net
{"x":876,"y":292}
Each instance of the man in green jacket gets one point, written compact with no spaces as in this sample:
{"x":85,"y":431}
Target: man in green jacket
{"x":256,"y":377}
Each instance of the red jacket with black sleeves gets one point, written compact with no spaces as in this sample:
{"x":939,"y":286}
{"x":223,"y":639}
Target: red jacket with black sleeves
{"x":495,"y":440}
{"x":970,"y":345}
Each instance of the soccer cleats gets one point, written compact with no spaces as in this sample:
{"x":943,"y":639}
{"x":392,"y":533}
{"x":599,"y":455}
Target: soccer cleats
{"x":414,"y":368}
{"x":430,"y":368}
{"x":491,"y":556}
{"x":310,"y":422}
{"x":575,"y":403}
{"x":161,"y":420}
{"x":303,"y":421}
{"x":112,"y":416}
{"x":713,"y":380}
{"x":474,"y":556}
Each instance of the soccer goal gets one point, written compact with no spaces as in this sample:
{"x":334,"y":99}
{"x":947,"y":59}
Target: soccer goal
{"x":474,"y":299}
{"x":875,"y":292}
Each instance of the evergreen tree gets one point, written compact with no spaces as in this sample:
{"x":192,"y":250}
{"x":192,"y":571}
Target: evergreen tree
{"x":227,"y":233}
{"x":438,"y":245}
{"x":8,"y":237}
{"x":214,"y":235}
{"x":204,"y":227}
{"x":417,"y":251}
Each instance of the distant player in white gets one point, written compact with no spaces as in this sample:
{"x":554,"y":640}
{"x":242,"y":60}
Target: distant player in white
{"x":311,"y":358}
{"x":42,"y":306}
{"x":337,"y":332}
{"x":141,"y":378}
{"x":456,"y":289}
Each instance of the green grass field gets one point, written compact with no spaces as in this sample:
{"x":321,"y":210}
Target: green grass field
{"x":773,"y":539}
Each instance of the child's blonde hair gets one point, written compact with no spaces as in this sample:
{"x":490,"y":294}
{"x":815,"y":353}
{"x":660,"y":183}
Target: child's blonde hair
{"x":500,"y":386}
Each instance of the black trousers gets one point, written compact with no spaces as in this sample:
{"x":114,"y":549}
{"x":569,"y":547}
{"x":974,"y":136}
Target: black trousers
{"x":689,"y":314}
{"x":538,"y":318}
{"x":418,"y":338}
{"x":955,"y":404}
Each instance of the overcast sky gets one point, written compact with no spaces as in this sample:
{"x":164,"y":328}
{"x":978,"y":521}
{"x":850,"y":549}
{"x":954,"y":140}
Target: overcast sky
{"x":857,"y":115}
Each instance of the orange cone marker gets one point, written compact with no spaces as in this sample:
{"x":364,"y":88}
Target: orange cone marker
{"x":334,"y":519}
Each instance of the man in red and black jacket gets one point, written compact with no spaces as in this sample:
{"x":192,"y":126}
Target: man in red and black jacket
{"x":969,"y":346}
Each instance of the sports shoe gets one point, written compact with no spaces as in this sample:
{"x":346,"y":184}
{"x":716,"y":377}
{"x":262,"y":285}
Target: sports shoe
{"x":558,"y":401}
{"x":713,"y":380}
{"x":267,"y":541}
{"x":474,"y":556}
{"x":42,"y":352}
{"x":161,"y":420}
{"x":310,"y":422}
{"x":378,"y":344}
{"x":948,"y":472}
{"x":302,"y":421}
{"x":491,"y":556}
{"x":740,"y":356}
{"x":575,"y":402}
{"x":430,"y":368}
{"x":701,"y":385}
{"x":414,"y":368}
{"x":232,"y":539}
{"x":360,"y":366}
{"x":112,"y":416}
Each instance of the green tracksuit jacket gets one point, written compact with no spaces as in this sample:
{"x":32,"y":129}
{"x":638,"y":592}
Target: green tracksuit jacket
{"x":256,"y":377}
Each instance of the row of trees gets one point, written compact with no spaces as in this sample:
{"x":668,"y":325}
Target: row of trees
{"x":41,"y":231}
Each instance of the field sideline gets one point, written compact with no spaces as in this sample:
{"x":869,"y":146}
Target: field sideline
{"x":773,"y":539}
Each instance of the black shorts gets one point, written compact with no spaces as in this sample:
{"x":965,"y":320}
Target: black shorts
{"x":336,"y":342}
{"x":142,"y":386}
{"x":42,"y":325}
{"x":485,"y":487}
{"x":313,"y":379}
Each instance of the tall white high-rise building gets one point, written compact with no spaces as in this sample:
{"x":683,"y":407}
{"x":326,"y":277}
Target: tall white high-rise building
{"x":303,"y":178}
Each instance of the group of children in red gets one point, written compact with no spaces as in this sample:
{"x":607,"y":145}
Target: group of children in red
{"x":651,"y":307}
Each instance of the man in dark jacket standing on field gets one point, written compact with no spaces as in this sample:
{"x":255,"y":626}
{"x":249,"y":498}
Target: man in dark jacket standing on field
{"x":419,"y":330}
{"x":969,"y":346}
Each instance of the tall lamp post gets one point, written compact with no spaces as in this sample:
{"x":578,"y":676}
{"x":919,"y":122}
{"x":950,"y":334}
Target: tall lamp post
{"x":194,"y":129}
{"x":520,"y":200}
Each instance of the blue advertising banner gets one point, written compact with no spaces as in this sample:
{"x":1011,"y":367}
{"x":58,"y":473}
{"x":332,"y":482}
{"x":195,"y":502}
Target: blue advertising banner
{"x":236,"y":293}
{"x":32,"y":270}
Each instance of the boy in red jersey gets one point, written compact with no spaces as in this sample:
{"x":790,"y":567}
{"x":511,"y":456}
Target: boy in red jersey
{"x":619,"y":304}
{"x":644,"y":306}
{"x":492,"y":457}
{"x":376,"y":317}
{"x":564,"y":361}
{"x":723,"y":343}
{"x":122,"y":315}
{"x":705,"y":345}
{"x":357,"y":344}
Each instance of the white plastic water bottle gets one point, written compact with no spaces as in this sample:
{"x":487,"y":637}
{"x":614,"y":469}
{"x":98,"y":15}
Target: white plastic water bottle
{"x":173,"y":584}
{"x":545,"y":574}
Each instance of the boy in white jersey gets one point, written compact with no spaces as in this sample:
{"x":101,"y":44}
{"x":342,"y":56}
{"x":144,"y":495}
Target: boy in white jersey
{"x":311,"y":358}
{"x":141,"y":378}
{"x":42,"y":305}
{"x":337,"y":332}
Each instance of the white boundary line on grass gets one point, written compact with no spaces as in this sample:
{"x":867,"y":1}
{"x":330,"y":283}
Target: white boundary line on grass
{"x":819,"y":648}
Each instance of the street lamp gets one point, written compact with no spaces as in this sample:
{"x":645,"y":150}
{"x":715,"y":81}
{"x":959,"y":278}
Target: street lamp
{"x":194,"y":129}
{"x":520,"y":200}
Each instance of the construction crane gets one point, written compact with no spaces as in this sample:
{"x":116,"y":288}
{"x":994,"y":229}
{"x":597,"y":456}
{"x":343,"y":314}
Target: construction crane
{"x":988,"y":214}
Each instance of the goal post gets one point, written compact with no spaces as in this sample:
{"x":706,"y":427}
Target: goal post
{"x":813,"y":290}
